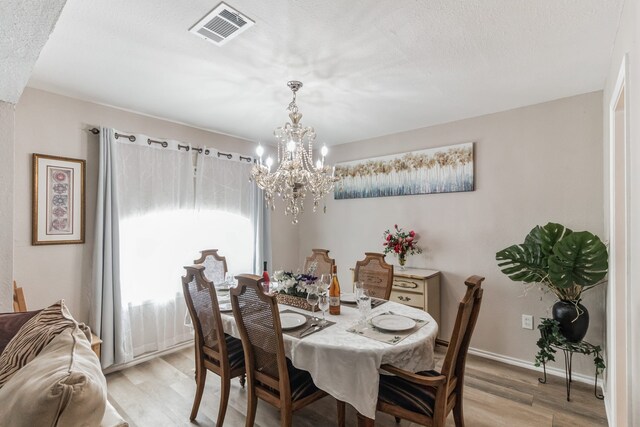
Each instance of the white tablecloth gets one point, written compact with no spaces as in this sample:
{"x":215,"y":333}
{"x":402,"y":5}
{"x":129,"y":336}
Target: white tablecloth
{"x":346,"y":365}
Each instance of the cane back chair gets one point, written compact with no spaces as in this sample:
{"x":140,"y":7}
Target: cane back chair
{"x":375,"y":274}
{"x":324,"y":264}
{"x":215,"y":351}
{"x":215,"y":265}
{"x":270,"y":375}
{"x":427,"y":397}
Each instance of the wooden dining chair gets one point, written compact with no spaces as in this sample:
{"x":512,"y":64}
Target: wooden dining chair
{"x":215,"y":265}
{"x":324,"y":264}
{"x":19,"y":302}
{"x":215,"y":351}
{"x":270,"y":375}
{"x":375,"y":274}
{"x":427,"y":397}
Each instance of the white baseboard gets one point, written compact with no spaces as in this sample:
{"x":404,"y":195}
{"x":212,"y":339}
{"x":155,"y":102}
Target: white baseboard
{"x":147,"y":357}
{"x":556,"y":372}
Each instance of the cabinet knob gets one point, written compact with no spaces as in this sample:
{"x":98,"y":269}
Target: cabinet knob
{"x":401,"y":298}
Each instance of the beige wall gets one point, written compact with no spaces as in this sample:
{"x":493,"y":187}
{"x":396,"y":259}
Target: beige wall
{"x":51,"y":124}
{"x":533,"y":165}
{"x":6,"y":204}
{"x":622,"y":387}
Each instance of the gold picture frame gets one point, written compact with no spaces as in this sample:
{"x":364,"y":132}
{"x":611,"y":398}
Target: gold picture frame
{"x":58,"y":200}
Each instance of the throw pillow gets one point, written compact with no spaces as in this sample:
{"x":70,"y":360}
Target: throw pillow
{"x":10,"y":324}
{"x":62,"y":386}
{"x":32,"y":337}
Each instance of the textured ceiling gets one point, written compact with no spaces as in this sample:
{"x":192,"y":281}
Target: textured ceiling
{"x":369,"y":68}
{"x":24,"y":29}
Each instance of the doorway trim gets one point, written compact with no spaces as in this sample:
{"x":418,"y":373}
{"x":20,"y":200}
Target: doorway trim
{"x":618,"y":405}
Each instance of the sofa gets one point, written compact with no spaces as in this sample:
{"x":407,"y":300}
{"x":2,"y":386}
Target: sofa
{"x":49,"y":375}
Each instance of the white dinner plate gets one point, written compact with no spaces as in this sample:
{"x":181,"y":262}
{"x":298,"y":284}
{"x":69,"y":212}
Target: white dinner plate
{"x":225,"y":307}
{"x":292,"y":320}
{"x":392,"y":322}
{"x":350,"y":298}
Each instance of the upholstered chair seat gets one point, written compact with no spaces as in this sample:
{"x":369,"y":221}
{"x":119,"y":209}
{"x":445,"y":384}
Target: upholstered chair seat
{"x":408,"y":395}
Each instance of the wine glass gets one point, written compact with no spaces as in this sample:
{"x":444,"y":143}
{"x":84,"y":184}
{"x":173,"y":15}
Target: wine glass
{"x":325,"y":282}
{"x":323,"y":305}
{"x":312,"y":299}
{"x":357,"y":288}
{"x":364,"y":305}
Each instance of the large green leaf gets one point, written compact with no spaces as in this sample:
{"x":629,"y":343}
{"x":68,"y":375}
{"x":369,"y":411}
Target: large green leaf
{"x":580,"y":258}
{"x":522,"y":263}
{"x":546,"y":237}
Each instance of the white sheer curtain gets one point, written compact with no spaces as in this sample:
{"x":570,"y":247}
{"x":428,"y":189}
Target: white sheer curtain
{"x":154,"y":216}
{"x":155,"y":202}
{"x":231,"y":208}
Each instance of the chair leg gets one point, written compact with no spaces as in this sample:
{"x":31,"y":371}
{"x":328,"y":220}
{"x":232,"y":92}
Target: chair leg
{"x":286,"y":417}
{"x":225,"y":385}
{"x":364,"y":421}
{"x":397,"y":420}
{"x":243,"y":380}
{"x":458,"y":416}
{"x":252,"y":405}
{"x":341,"y":413}
{"x":201,"y":377}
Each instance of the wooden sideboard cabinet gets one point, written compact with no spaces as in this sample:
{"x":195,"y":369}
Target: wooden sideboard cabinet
{"x":418,"y":288}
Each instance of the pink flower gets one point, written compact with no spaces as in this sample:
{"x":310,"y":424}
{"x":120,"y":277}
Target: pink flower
{"x":396,"y":226}
{"x":388,"y":237}
{"x":410,"y":239}
{"x":412,"y":233}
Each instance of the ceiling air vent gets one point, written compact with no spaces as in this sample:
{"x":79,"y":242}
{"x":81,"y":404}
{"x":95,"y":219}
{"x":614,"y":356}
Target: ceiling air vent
{"x":221,"y":25}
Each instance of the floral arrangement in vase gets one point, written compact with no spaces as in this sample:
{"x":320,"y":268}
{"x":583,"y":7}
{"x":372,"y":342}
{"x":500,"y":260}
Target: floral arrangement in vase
{"x":294,"y":284}
{"x":401,"y":244}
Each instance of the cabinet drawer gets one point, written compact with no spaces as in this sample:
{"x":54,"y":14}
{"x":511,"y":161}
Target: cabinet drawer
{"x":402,"y":284}
{"x":408,"y":298}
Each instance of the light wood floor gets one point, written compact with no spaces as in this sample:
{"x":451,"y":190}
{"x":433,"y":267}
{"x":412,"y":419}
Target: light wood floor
{"x":160,"y":393}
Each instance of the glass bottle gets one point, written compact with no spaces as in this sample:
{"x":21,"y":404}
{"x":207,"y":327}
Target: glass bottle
{"x":265,"y":276}
{"x":334,"y":293}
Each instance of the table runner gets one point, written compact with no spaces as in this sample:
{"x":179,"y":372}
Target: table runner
{"x":375,"y":302}
{"x":387,"y":337}
{"x":346,"y":365}
{"x":300,"y":329}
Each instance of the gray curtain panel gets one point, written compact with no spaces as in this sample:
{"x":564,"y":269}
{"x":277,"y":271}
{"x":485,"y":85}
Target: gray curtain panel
{"x":106,"y":317}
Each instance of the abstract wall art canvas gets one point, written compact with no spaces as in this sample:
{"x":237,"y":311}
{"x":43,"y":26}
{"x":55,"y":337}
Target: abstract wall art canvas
{"x":58,"y":200}
{"x":433,"y":170}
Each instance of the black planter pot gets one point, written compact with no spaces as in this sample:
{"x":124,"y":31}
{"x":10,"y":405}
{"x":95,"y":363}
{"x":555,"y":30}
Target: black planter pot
{"x":572,"y":326}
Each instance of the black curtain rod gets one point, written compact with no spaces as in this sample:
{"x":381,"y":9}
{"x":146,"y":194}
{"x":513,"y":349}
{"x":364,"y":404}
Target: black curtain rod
{"x":165,"y":144}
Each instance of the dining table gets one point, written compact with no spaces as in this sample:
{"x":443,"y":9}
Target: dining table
{"x":346,"y":364}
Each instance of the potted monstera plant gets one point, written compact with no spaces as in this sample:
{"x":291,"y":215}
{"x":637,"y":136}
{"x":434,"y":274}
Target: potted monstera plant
{"x":567,"y":263}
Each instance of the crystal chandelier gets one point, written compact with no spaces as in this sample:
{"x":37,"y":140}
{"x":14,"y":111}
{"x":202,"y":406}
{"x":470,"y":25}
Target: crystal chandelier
{"x":296,"y":173}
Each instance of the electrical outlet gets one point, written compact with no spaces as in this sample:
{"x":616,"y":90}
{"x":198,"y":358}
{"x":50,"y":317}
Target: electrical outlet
{"x":527,"y":321}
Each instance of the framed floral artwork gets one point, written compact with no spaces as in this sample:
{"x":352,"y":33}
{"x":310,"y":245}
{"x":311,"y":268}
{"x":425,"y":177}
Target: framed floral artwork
{"x":58,"y":200}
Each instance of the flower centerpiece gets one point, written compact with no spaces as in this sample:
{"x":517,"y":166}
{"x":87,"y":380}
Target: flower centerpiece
{"x":296,"y":284}
{"x":401,"y":244}
{"x":293,"y":288}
